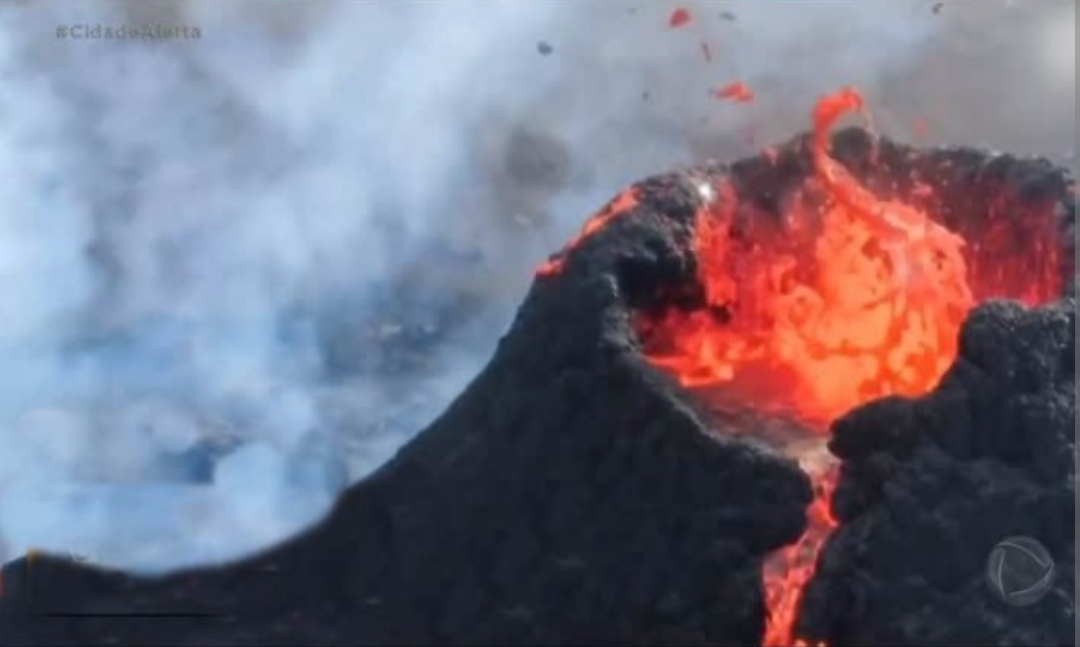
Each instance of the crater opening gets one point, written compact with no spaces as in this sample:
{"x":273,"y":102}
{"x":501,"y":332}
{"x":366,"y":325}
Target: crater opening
{"x":837,"y":270}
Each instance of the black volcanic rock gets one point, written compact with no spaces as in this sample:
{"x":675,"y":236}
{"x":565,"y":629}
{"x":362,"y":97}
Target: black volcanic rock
{"x":569,"y":496}
{"x":929,"y":486}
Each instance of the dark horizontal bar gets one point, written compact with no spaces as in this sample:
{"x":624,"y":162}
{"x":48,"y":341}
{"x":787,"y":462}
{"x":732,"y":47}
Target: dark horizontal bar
{"x":131,"y":615}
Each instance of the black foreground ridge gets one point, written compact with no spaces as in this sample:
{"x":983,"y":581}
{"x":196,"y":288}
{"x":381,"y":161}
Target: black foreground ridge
{"x":929,"y":486}
{"x":573,"y":495}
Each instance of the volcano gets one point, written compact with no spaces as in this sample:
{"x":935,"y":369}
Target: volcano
{"x":771,"y":402}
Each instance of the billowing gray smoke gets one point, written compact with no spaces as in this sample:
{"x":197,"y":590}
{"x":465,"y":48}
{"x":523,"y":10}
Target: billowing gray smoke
{"x":238,"y":272}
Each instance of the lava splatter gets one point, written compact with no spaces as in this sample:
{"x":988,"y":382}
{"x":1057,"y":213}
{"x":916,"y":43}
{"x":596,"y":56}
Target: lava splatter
{"x":737,"y":92}
{"x":623,"y":203}
{"x":679,"y":18}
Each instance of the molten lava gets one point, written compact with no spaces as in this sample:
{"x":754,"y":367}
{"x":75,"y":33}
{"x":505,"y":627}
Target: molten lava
{"x":622,"y":204}
{"x":679,"y":18}
{"x":863,"y":300}
{"x":843,"y":298}
{"x":851,"y":298}
{"x":737,"y":92}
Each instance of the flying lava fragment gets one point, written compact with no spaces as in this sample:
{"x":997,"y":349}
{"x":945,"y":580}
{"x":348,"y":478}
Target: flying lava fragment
{"x":737,"y":92}
{"x":679,"y":18}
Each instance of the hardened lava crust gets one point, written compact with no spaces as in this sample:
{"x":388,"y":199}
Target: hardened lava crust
{"x":928,"y":486}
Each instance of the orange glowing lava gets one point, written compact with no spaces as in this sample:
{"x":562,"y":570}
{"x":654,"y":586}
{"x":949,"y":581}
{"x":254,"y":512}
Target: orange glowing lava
{"x":788,"y":571}
{"x":872,"y":311}
{"x":852,"y":298}
{"x":622,"y":204}
{"x":737,"y":92}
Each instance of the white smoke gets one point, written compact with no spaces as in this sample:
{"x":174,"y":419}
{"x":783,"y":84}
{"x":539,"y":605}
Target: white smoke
{"x":1058,"y":46}
{"x":238,"y":272}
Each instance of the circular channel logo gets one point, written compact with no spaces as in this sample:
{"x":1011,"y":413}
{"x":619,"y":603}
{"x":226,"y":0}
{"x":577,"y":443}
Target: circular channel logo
{"x":1020,"y":571}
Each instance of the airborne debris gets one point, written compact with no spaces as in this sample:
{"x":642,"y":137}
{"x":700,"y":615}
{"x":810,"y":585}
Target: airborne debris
{"x":679,"y":17}
{"x":938,"y":7}
{"x":544,"y":48}
{"x":706,"y":52}
{"x":737,"y":92}
{"x":728,"y":16}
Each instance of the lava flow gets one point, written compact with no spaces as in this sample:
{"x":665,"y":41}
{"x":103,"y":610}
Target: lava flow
{"x":855,"y":298}
{"x":622,"y":204}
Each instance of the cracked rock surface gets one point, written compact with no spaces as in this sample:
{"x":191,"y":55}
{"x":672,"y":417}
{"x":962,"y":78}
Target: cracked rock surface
{"x":929,"y":486}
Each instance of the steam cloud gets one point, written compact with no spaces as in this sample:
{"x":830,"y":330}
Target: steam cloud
{"x":238,"y":272}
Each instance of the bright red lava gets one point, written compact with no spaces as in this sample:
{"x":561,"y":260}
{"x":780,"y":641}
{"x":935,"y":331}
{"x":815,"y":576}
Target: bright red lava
{"x":859,"y":298}
{"x":879,"y":314}
{"x":848,"y":299}
{"x":737,"y":92}
{"x":622,"y":204}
